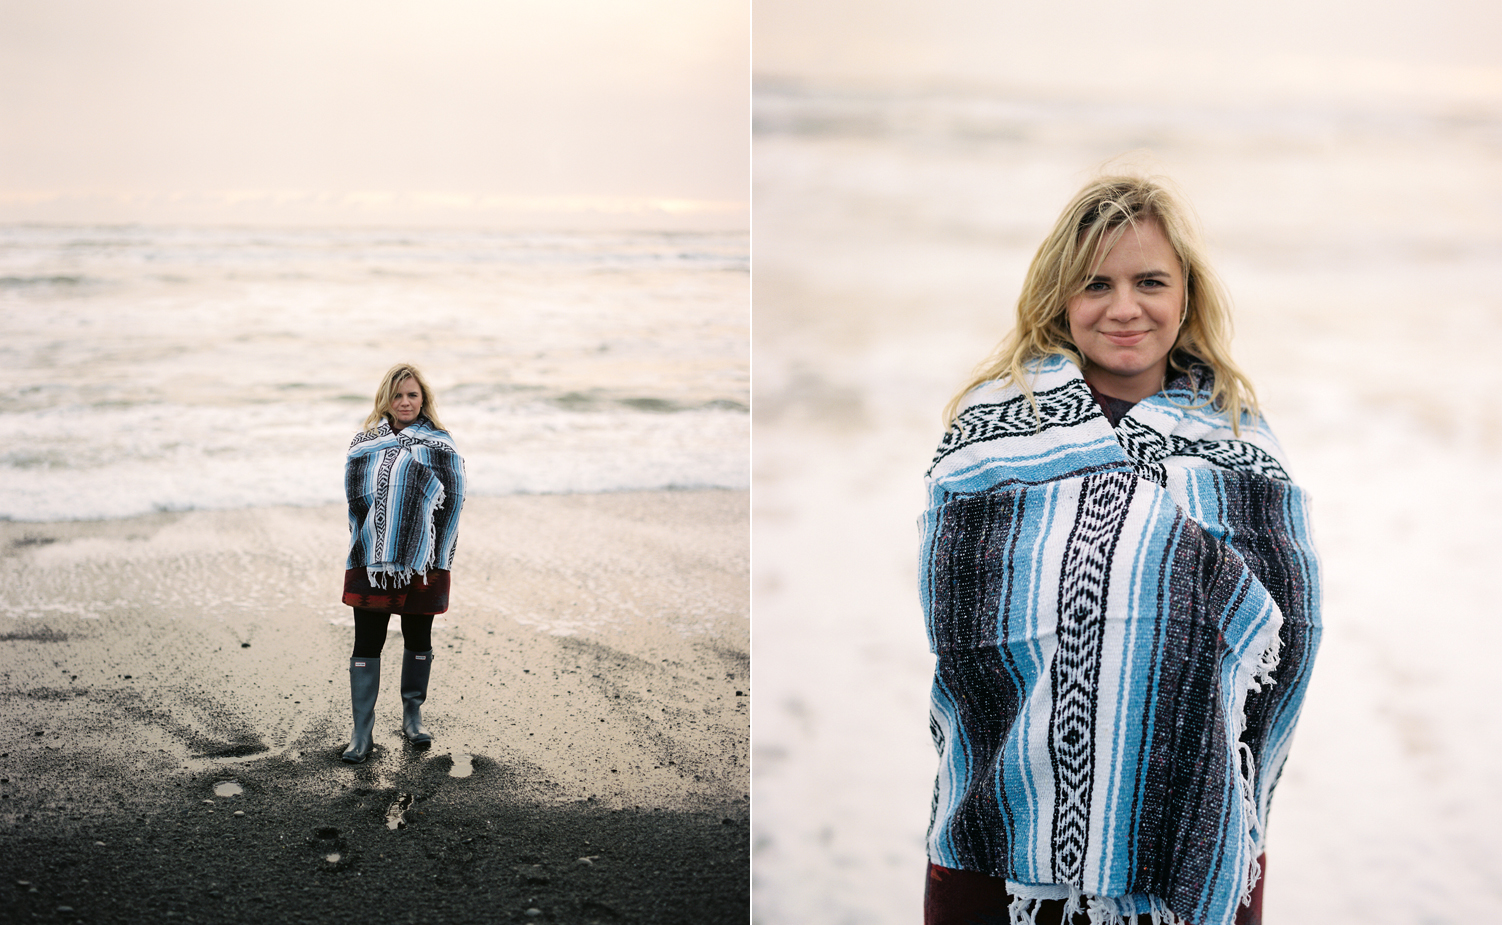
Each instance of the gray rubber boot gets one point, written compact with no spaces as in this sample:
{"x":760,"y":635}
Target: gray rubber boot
{"x":364,"y":685}
{"x":415,"y":668}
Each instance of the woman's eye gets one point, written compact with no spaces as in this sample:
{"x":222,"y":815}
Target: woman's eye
{"x":1097,"y":286}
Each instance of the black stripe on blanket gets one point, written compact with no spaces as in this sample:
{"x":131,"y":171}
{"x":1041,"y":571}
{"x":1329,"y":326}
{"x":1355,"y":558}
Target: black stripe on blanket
{"x":985,"y":698}
{"x":358,"y":511}
{"x":974,"y":529}
{"x":1183,"y":793}
{"x":1263,"y":539}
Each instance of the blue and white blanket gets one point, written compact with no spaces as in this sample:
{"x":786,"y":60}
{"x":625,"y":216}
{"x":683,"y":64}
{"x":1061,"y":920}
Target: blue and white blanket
{"x":1125,"y":622}
{"x":405,"y":491}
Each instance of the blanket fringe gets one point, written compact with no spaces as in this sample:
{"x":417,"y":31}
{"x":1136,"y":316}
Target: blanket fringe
{"x":1023,"y":911}
{"x":1162,"y":915}
{"x":1253,"y":823}
{"x":1103,"y":912}
{"x":1263,"y":674}
{"x":399,"y":578}
{"x":1073,"y":905}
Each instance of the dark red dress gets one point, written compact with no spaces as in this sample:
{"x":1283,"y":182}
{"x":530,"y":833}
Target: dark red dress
{"x":423,"y":595}
{"x":964,"y":897}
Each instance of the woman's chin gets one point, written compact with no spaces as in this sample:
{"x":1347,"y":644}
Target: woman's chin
{"x":1123,"y":372}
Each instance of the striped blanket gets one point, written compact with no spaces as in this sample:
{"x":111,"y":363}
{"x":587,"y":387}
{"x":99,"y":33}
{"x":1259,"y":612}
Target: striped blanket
{"x":1125,"y":622}
{"x":405,"y":491}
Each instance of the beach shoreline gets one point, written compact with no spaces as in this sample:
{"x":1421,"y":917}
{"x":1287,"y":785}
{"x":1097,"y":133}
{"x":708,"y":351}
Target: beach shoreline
{"x":590,"y":704}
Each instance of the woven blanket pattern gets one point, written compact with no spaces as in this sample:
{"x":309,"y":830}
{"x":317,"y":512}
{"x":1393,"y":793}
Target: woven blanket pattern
{"x":1125,"y":621}
{"x":405,"y":490}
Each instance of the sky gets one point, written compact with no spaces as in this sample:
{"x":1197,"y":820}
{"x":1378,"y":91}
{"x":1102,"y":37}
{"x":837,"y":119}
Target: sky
{"x":613,"y":112}
{"x":1275,"y":51}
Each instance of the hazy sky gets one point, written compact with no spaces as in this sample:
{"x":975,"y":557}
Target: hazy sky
{"x":1275,"y":49}
{"x":470,"y":109}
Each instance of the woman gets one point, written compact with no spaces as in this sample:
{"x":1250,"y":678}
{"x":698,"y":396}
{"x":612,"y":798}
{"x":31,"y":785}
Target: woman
{"x":405,"y":485}
{"x":1120,"y":587}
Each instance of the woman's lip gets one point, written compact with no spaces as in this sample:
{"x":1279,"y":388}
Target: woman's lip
{"x":1124,"y":338}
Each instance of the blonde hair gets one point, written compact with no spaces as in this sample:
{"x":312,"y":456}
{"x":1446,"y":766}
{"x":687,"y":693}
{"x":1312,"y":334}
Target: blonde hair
{"x":1089,"y":226}
{"x":386,"y":393}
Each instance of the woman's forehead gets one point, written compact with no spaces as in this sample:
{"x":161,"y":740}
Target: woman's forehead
{"x":1148,"y":231}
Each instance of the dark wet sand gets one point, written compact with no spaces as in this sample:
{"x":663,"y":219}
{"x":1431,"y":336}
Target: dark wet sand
{"x":590,"y":705}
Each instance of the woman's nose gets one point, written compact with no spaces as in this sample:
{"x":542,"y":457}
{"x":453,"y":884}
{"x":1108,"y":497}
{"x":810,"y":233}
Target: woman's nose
{"x":1123,"y":304}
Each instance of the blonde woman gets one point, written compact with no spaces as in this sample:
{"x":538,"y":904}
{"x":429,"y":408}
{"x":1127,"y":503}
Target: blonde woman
{"x":404,"y":482}
{"x":1121,"y":591}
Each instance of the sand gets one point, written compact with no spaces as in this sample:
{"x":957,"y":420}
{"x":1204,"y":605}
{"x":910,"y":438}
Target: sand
{"x":589,"y":703}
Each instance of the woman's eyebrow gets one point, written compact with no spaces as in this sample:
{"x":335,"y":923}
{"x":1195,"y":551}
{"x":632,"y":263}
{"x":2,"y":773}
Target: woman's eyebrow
{"x":1145,"y":274}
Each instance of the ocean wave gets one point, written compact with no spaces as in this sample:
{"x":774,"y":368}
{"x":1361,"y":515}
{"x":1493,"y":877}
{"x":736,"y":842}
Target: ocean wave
{"x":602,"y":401}
{"x":312,"y":253}
{"x":56,"y":279}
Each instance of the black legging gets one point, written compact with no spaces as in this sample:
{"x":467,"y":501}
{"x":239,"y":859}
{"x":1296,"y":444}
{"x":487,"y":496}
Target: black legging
{"x":370,"y":632}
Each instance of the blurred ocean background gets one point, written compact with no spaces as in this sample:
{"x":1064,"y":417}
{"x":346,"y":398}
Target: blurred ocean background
{"x":155,"y":368}
{"x":904,"y":175}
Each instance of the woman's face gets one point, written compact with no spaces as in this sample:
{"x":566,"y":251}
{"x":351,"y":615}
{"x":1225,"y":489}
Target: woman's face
{"x":1127,"y":318}
{"x":406,"y":405}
